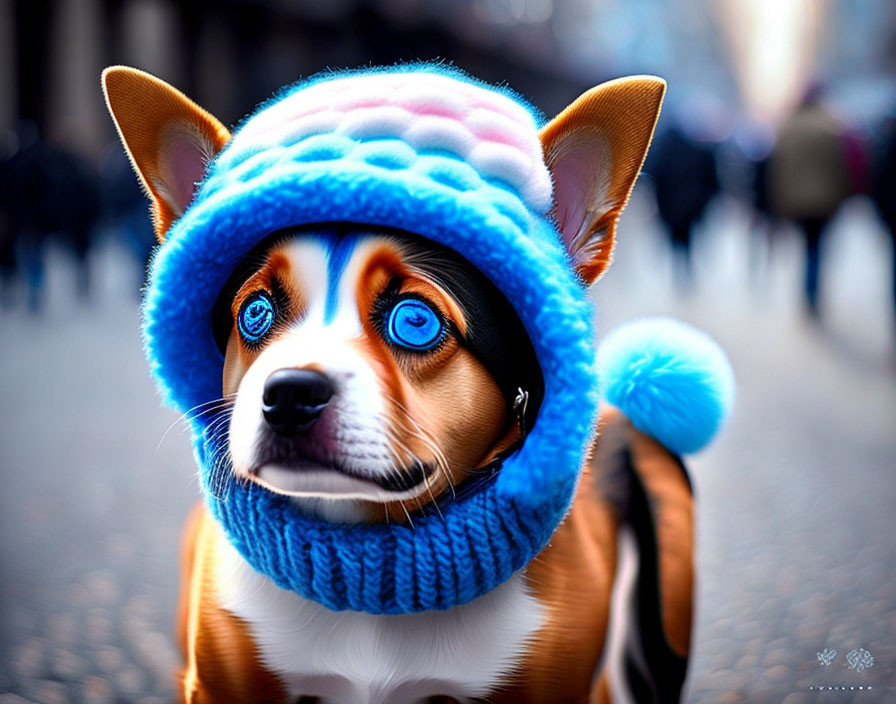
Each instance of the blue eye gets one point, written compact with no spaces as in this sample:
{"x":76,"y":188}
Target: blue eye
{"x":413,"y":324}
{"x":256,"y":316}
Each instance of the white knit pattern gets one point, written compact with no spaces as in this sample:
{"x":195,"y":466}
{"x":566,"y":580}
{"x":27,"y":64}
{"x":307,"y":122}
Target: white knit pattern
{"x":430,"y":112}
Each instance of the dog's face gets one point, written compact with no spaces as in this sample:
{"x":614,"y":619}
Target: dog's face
{"x":352,"y":359}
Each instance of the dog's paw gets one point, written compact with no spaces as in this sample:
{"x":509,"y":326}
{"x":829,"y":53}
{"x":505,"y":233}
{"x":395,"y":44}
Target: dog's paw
{"x":671,"y":380}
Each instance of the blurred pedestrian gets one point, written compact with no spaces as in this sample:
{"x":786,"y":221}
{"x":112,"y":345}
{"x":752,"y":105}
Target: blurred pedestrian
{"x":883,"y":192}
{"x":47,"y":190}
{"x":754,"y":141}
{"x":686,"y":180}
{"x":80,"y":207}
{"x":29,"y":208}
{"x":127,"y":208}
{"x":809,"y":178}
{"x":8,"y":271}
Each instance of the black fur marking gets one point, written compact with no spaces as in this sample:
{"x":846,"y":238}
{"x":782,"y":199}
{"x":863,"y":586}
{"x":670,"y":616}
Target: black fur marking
{"x":654,"y":671}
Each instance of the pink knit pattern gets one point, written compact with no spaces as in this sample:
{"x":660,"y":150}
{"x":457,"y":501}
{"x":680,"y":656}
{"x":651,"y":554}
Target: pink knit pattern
{"x":430,"y":112}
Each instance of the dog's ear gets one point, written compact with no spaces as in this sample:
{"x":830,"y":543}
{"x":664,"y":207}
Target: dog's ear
{"x":169,"y":139}
{"x":595,"y":149}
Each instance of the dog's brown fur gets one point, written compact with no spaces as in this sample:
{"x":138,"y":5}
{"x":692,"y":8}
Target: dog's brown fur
{"x":573,"y":577}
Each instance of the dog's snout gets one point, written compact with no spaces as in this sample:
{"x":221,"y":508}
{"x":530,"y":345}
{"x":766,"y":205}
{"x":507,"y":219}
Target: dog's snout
{"x":294,"y":398}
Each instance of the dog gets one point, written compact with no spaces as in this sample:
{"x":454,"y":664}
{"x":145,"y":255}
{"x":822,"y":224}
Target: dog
{"x":372,"y":377}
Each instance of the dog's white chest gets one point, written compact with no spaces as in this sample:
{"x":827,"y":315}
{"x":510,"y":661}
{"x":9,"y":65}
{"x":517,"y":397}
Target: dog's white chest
{"x":357,"y":658}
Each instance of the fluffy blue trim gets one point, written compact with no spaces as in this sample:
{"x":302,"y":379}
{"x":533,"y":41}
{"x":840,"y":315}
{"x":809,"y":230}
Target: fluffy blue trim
{"x":477,"y":542}
{"x":671,"y":380}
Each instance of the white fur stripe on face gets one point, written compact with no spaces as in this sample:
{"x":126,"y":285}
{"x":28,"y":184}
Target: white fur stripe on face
{"x":326,"y":269}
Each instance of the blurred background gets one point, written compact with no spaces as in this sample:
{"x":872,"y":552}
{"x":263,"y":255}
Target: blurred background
{"x":765,"y":216}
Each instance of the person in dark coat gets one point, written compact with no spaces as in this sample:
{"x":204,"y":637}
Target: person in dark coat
{"x":810,"y":177}
{"x":127,"y":208}
{"x":75,"y":186}
{"x":686,"y":180}
{"x":8,"y":268}
{"x":29,"y":208}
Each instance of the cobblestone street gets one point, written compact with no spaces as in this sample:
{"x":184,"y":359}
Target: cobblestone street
{"x":795,"y":500}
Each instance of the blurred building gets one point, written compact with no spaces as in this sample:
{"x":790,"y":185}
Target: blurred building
{"x":230,"y":54}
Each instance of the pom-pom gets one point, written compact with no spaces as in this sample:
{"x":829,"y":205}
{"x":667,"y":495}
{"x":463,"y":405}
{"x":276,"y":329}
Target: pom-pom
{"x":671,"y":380}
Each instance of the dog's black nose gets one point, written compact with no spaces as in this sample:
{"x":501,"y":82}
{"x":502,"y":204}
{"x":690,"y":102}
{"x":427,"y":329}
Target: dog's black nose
{"x":294,"y":398}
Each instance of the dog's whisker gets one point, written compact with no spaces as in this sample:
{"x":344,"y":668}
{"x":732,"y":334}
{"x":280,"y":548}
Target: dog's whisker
{"x":420,"y":430}
{"x":213,"y":403}
{"x":439,"y":457}
{"x":407,"y":513}
{"x":424,"y":436}
{"x":396,"y":439}
{"x":206,"y":412}
{"x":215,"y":442}
{"x":221,"y":478}
{"x":432,"y":498}
{"x":215,"y":437}
{"x":433,"y":446}
{"x":410,"y":458}
{"x":213,"y":434}
{"x":412,"y":428}
{"x":180,"y":420}
{"x":209,"y":430}
{"x":397,"y":443}
{"x":214,"y":426}
{"x":191,"y":414}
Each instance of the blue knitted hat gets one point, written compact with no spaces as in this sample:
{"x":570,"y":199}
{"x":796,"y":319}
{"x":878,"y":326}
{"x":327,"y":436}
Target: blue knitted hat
{"x":433,"y":153}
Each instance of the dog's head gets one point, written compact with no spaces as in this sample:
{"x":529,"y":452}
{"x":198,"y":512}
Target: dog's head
{"x":370,"y":371}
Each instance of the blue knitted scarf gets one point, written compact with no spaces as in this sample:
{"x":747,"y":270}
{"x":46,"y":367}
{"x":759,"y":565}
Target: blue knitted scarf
{"x":385,"y":174}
